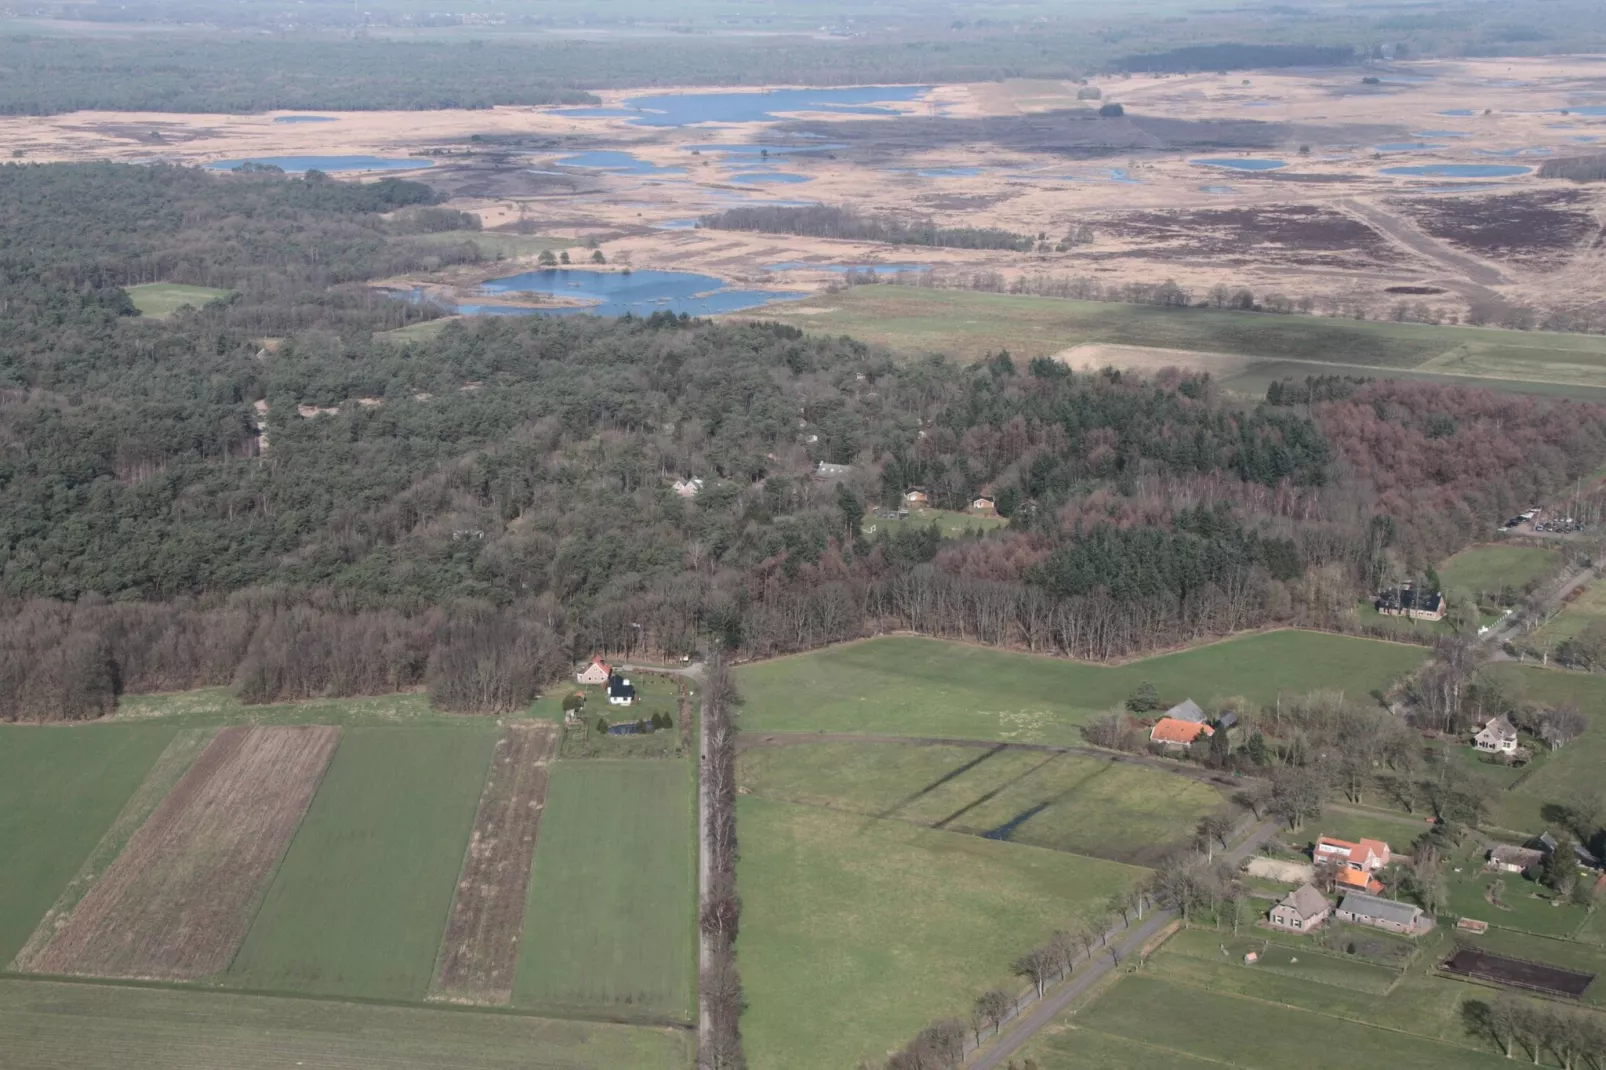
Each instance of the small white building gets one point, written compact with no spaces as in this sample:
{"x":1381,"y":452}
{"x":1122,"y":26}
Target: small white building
{"x":687,"y":488}
{"x":620,"y":693}
{"x":1498,"y":736}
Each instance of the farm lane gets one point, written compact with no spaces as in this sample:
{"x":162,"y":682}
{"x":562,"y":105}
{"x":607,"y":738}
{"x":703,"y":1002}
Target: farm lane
{"x":1098,"y":966}
{"x":787,"y":739}
{"x":1478,"y":272}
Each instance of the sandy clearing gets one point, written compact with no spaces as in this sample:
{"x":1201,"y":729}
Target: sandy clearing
{"x":1092,"y":356}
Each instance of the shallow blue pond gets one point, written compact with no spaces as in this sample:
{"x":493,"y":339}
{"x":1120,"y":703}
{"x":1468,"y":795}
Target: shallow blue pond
{"x":1218,"y":189}
{"x":297,"y":164}
{"x":1587,"y":109}
{"x":1405,"y":146}
{"x":760,"y":150}
{"x":1459,"y":112}
{"x":1512,"y":153}
{"x":640,"y":292}
{"x":1440,"y":133}
{"x":1247,"y":163}
{"x":684,"y":109}
{"x":1460,"y":170}
{"x":765,"y":177}
{"x":303,"y":118}
{"x":623,"y":163}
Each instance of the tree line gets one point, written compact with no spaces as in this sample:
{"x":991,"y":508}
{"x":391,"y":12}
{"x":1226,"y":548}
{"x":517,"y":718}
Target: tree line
{"x":720,"y":1045}
{"x":849,"y":224}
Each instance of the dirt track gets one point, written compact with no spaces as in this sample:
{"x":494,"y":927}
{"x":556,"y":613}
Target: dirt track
{"x":177,"y":902}
{"x":481,"y":945}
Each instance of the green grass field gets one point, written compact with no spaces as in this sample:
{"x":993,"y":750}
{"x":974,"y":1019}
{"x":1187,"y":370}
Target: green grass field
{"x":856,"y":933}
{"x":361,"y":898}
{"x":1565,"y":773}
{"x":1127,"y":813}
{"x":952,"y":525}
{"x":1489,"y":568}
{"x":970,"y":325}
{"x":161,"y":299}
{"x":610,"y":923}
{"x":50,"y":1026}
{"x":1574,"y":617}
{"x":926,"y":687}
{"x":61,"y":788}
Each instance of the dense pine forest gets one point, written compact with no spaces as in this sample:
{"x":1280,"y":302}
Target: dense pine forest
{"x":270,"y":492}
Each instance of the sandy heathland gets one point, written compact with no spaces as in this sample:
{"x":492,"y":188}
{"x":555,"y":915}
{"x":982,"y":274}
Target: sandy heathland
{"x":177,"y":902}
{"x":1330,"y":231}
{"x":481,"y":945}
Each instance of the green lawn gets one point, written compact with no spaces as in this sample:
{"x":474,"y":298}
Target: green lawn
{"x":1527,"y":904}
{"x":856,"y":933}
{"x":1283,"y":955}
{"x":50,"y":1026}
{"x":61,"y":788}
{"x":1573,"y":618}
{"x":971,"y":325}
{"x":926,"y":687}
{"x":949,"y":523}
{"x":1489,"y":568}
{"x":361,"y":898}
{"x":1563,"y":774}
{"x":161,"y":299}
{"x":1128,"y":813}
{"x":1259,"y":1034}
{"x":610,"y":922}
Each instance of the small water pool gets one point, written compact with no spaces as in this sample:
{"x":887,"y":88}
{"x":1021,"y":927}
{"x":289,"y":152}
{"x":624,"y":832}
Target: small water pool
{"x":767,"y":177}
{"x":640,"y":293}
{"x":1406,"y":146}
{"x":1460,"y":170}
{"x":1245,"y":163}
{"x":1459,"y":112}
{"x":760,"y":150}
{"x":676,"y":224}
{"x":303,"y":118}
{"x":624,"y":163}
{"x":1587,"y":109}
{"x":1218,"y":189}
{"x":685,"y":109}
{"x":1440,"y":133}
{"x":299,"y":164}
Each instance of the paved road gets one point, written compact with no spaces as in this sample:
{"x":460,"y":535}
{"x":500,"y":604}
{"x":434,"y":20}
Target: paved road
{"x":1127,"y":943}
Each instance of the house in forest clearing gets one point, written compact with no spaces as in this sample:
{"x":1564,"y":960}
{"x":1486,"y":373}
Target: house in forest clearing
{"x":1405,"y":601}
{"x":1362,"y":909}
{"x":687,"y":488}
{"x":916,"y":497}
{"x":983,"y":505}
{"x":1187,"y":710}
{"x":595,"y":673}
{"x":825,"y":470}
{"x":620,"y":693}
{"x":1497,"y":736}
{"x":1301,"y":910}
{"x":1173,"y":734}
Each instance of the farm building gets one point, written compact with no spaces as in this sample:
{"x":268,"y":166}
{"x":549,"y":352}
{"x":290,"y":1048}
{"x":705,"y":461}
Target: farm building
{"x":1353,"y":863}
{"x":1187,"y":710}
{"x":1497,"y":736}
{"x":916,"y":497}
{"x":620,"y":693}
{"x":1403,"y":601}
{"x":1507,"y":858}
{"x":1546,"y":844}
{"x":595,"y":673}
{"x":1362,"y":909}
{"x":1301,"y":910}
{"x":1172,"y":733}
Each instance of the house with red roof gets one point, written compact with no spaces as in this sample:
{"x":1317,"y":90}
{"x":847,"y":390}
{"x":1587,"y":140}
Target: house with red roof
{"x":595,"y":673}
{"x":1353,"y":864}
{"x":1173,"y":732}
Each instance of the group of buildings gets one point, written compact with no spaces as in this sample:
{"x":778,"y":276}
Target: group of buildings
{"x":1352,"y":868}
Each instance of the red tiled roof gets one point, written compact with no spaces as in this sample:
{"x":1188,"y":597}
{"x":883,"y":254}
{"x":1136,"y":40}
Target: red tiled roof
{"x":1171,"y":730}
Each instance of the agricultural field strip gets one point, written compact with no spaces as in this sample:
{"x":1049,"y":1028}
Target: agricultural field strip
{"x":178,"y":900}
{"x":479,"y":951}
{"x":172,"y":764}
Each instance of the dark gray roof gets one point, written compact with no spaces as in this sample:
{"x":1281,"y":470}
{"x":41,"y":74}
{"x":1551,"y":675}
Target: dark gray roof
{"x":1370,"y":906}
{"x":1516,"y":856}
{"x":1187,"y":710}
{"x":1306,"y":901}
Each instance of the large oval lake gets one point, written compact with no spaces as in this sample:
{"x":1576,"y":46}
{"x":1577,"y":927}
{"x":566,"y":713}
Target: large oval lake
{"x":614,"y":293}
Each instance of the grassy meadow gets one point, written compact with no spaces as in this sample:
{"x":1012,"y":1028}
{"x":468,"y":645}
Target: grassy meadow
{"x":1489,"y":568}
{"x":857,"y":932}
{"x":1574,"y":617}
{"x":161,"y":299}
{"x":61,"y":789}
{"x":51,"y":1026}
{"x":1067,"y":802}
{"x":971,"y":325}
{"x":950,"y":524}
{"x":359,"y":901}
{"x":1559,"y":775}
{"x":611,"y":916}
{"x":926,"y":687}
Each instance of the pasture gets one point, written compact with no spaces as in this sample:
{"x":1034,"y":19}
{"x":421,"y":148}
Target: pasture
{"x":1068,"y":802}
{"x":857,"y":932}
{"x":1490,"y":568}
{"x":610,"y":922}
{"x":950,"y":524}
{"x":1574,"y":617}
{"x":901,"y":685}
{"x":1565,"y":774}
{"x":61,"y":789}
{"x":55,"y":1026}
{"x":161,"y":299}
{"x":1246,"y":350}
{"x":359,"y":902}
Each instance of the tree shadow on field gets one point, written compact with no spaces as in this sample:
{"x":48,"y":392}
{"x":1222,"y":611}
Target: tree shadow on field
{"x":953,"y":774}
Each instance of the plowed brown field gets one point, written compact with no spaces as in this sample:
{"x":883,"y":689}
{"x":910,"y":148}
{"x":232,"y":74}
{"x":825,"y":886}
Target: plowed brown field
{"x":177,"y":902}
{"x":481,"y":945}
